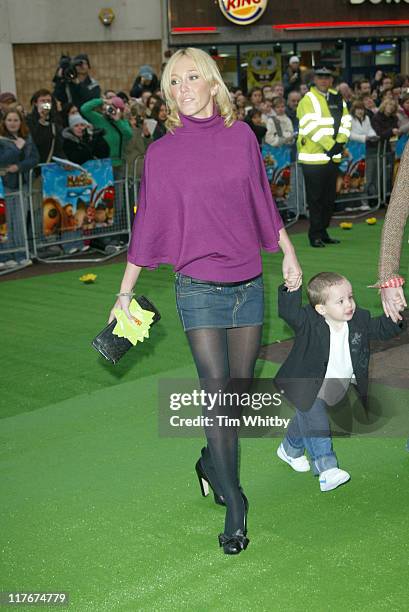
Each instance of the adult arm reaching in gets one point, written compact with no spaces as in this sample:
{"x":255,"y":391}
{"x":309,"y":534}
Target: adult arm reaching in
{"x":390,"y":283}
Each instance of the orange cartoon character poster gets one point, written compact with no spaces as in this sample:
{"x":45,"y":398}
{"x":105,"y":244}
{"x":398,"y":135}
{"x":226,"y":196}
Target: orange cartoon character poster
{"x":277,"y":161}
{"x":351,"y":177}
{"x":76,"y":197}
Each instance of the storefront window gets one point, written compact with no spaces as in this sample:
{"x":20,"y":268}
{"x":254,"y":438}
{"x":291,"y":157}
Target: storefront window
{"x":368,"y":55}
{"x":362,"y":55}
{"x":328,"y":52}
{"x":226,"y":58}
{"x":386,"y":54}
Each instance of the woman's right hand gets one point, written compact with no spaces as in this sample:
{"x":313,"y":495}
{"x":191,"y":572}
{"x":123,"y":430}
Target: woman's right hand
{"x":122,"y":303}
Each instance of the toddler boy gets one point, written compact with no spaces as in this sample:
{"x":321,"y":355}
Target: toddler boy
{"x":331,"y":350}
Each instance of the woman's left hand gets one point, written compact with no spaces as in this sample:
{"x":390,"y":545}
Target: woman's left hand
{"x":13,"y":168}
{"x":292,"y":272}
{"x":393,"y":302}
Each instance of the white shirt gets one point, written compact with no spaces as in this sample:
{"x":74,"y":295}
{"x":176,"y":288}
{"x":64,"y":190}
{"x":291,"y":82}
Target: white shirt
{"x":361,"y":130}
{"x":339,"y":368}
{"x":272,"y":138}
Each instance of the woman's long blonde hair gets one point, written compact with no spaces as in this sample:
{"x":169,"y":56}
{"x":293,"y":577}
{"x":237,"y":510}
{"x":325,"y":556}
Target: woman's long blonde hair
{"x":386,"y":102}
{"x":208,"y":69}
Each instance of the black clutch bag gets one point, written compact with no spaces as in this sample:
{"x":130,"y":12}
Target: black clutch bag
{"x":113,"y":347}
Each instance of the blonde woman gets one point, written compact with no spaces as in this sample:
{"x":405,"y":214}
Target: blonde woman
{"x":385,"y":122}
{"x":205,"y":207}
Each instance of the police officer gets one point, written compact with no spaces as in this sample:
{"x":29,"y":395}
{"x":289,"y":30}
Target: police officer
{"x":325,"y":127}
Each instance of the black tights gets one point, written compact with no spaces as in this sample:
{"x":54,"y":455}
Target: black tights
{"x":225,"y":359}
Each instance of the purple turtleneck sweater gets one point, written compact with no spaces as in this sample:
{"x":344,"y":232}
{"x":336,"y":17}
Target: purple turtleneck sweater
{"x":205,"y":204}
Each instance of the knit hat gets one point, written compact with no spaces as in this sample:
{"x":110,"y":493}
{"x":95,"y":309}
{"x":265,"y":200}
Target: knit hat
{"x":7,"y":96}
{"x":76,"y":119}
{"x":294,"y":59}
{"x":146,"y":72}
{"x":81,"y":57}
{"x":117,"y":102}
{"x":123,"y":96}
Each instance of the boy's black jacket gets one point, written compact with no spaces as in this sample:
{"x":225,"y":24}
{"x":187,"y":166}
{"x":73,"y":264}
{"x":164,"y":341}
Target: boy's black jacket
{"x":303,"y":372}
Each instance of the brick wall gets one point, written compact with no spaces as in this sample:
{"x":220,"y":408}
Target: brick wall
{"x":114,"y":64}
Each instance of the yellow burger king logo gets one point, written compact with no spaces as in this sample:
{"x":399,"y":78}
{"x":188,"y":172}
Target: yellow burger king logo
{"x":243,"y":12}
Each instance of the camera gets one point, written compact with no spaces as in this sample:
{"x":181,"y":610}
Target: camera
{"x":69,"y":71}
{"x":111,"y":110}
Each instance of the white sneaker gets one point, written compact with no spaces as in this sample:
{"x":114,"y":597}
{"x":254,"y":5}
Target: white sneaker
{"x":26,"y":262}
{"x":11,"y":263}
{"x":365,"y":207}
{"x":333,"y":478}
{"x":110,"y":249}
{"x":299,"y":464}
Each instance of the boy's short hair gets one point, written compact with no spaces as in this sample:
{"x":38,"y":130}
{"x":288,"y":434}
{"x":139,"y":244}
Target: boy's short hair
{"x":319,"y":285}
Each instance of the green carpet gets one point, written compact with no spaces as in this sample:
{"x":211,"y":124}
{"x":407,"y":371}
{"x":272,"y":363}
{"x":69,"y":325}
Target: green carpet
{"x":95,"y":503}
{"x":51,"y":320}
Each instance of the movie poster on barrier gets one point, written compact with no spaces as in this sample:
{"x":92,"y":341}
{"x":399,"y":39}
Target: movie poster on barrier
{"x":3,"y":221}
{"x":351,"y":178}
{"x":277,"y":161}
{"x":77,"y":197}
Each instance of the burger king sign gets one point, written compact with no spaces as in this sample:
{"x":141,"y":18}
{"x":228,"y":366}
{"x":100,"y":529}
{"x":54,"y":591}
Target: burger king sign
{"x":243,"y":12}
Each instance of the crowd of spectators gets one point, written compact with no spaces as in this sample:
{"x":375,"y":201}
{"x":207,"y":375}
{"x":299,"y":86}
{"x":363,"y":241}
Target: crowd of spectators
{"x":380,"y":107}
{"x":76,"y":121}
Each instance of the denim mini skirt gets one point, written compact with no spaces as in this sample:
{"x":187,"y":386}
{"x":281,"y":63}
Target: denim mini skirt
{"x":201,"y":304}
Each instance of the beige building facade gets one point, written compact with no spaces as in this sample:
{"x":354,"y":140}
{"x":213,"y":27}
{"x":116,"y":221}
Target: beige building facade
{"x":34,"y":34}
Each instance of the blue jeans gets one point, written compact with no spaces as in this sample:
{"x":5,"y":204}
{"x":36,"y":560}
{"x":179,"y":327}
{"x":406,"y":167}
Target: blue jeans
{"x":201,"y":304}
{"x":309,"y":430}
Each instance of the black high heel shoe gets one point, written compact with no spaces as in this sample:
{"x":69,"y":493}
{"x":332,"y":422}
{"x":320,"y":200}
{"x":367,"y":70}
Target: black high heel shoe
{"x":236,"y":542}
{"x":205,"y":483}
{"x":233,"y":544}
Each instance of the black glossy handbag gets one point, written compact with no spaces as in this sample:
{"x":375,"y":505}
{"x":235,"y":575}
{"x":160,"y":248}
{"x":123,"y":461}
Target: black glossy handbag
{"x":113,"y":347}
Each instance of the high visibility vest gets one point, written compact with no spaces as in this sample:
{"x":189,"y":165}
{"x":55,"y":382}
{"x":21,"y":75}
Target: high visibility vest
{"x":316,"y":132}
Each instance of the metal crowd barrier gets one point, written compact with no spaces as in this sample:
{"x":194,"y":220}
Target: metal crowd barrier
{"x":370,"y":195}
{"x":78,"y":240}
{"x":136,"y":183}
{"x":293,"y":205}
{"x":286,"y":182}
{"x":13,"y":229}
{"x":20,"y":243}
{"x":388,"y":162}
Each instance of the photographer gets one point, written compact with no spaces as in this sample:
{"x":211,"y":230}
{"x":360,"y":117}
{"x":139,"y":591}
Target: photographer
{"x":145,"y":81}
{"x":44,"y":125}
{"x":108,"y":116}
{"x":81,"y":143}
{"x":73,"y":82}
{"x":292,"y":77}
